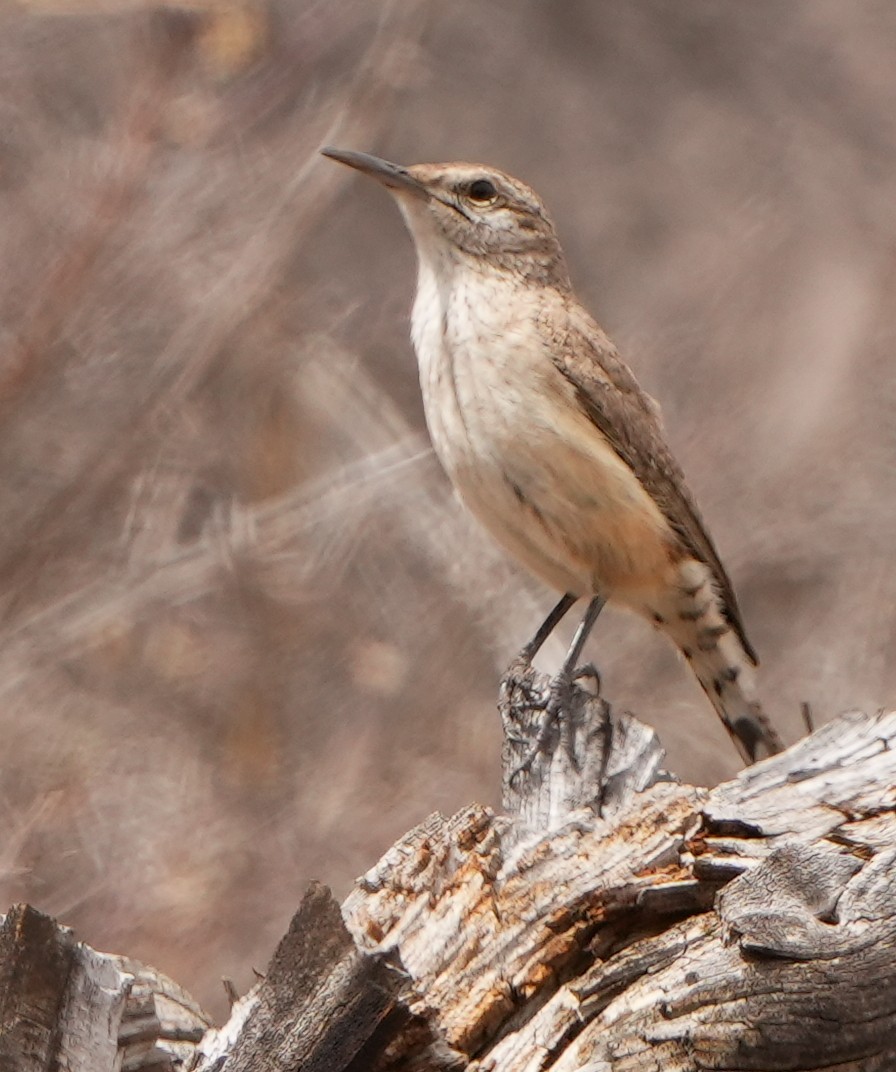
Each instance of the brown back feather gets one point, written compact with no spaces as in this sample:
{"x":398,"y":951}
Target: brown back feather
{"x":629,"y":418}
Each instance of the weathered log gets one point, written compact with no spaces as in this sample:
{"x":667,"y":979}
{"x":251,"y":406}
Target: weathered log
{"x":652,"y":926}
{"x":65,"y":1006}
{"x":750,"y":927}
{"x":319,"y":1005}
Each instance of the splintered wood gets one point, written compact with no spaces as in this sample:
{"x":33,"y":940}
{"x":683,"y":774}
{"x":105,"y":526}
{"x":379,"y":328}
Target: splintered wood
{"x":750,"y":927}
{"x":649,"y":927}
{"x":604,"y":944}
{"x":516,"y":913}
{"x":65,"y":1006}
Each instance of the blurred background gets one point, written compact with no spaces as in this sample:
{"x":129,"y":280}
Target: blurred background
{"x":247,"y":637}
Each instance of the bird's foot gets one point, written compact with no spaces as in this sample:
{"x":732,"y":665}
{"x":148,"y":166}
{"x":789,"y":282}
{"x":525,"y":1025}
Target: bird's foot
{"x":556,"y":709}
{"x":525,"y":692}
{"x":519,"y":686}
{"x":556,"y":704}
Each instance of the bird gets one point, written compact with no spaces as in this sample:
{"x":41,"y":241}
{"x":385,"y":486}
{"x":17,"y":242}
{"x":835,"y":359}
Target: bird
{"x":548,"y":438}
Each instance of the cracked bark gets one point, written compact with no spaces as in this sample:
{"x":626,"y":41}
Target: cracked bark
{"x":750,"y":928}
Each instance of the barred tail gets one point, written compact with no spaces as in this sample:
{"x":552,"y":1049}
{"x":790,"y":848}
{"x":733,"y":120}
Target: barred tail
{"x":725,"y":674}
{"x":694,"y":619}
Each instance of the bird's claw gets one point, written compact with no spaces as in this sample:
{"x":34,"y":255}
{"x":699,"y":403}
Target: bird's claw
{"x":556,"y":707}
{"x":517,"y":679}
{"x":521,"y":693}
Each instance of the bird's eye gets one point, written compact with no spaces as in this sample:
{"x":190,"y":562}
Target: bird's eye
{"x":482,"y":191}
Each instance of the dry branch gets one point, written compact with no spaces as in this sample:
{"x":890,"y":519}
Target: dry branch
{"x":749,"y":927}
{"x":64,"y":1006}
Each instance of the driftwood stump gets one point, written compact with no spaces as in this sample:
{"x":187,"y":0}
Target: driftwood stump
{"x":656,"y":927}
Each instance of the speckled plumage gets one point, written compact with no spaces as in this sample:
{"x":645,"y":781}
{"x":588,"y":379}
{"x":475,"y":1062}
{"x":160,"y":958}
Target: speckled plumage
{"x":545,"y":432}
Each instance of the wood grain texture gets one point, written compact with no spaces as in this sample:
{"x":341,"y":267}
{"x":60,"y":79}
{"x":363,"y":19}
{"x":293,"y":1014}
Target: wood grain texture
{"x":749,"y":927}
{"x":319,"y":1005}
{"x":606,"y":943}
{"x":660,"y":928}
{"x":65,"y":1006}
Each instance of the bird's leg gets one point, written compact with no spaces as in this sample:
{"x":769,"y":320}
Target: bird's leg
{"x":557,"y":704}
{"x":514,"y":676}
{"x":546,"y":628}
{"x":562,"y":685}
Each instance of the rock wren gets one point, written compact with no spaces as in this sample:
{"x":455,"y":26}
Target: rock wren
{"x":547,"y":436}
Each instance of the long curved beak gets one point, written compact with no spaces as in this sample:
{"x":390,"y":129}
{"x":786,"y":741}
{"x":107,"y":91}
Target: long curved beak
{"x":390,"y":175}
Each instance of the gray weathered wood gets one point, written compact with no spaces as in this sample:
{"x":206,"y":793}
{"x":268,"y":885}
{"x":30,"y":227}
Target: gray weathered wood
{"x":747,"y":927}
{"x":606,"y":943}
{"x":65,"y":1006}
{"x":595,"y":759}
{"x":318,"y":1007}
{"x":662,"y":928}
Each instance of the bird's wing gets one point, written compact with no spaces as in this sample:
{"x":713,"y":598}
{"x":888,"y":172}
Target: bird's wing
{"x":629,"y":419}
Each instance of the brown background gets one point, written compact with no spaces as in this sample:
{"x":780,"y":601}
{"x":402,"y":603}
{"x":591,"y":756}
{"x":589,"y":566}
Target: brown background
{"x":246,"y":636}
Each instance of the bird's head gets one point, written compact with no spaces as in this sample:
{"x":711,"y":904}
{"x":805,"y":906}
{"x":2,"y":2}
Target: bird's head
{"x":476,"y":213}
